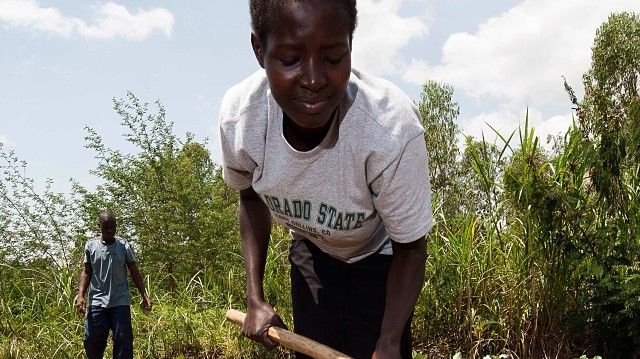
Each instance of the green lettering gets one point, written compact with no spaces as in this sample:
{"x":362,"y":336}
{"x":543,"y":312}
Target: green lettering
{"x":332,"y":213}
{"x":350,"y":216}
{"x":297,"y":209}
{"x":287,"y":209}
{"x":322,"y":215}
{"x":306,"y":212}
{"x":269,"y":203}
{"x":276,"y":204}
{"x":359,"y":218}
{"x":338,"y":224}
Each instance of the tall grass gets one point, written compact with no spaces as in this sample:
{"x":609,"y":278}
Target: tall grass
{"x":506,"y":282}
{"x":37,"y":317}
{"x":497,"y":284}
{"x":38,"y":320}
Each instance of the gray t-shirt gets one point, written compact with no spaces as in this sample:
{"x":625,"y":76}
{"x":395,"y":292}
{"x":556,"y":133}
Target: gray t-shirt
{"x":367,"y":181}
{"x":109,"y":286}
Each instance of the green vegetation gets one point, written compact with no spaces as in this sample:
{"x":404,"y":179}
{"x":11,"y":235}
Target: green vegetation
{"x":533,"y":255}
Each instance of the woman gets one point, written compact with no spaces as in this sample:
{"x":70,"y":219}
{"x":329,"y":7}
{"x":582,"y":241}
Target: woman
{"x":337,"y":156}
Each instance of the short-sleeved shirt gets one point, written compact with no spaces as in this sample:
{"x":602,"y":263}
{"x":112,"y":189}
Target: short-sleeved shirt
{"x":365,"y":183}
{"x":109,"y":286}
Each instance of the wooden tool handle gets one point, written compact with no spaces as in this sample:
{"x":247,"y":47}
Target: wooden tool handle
{"x":291,"y":340}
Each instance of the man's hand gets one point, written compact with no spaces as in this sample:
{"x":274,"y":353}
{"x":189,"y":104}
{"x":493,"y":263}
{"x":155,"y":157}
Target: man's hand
{"x":257,"y":322}
{"x":85,"y":277}
{"x":80,"y":304}
{"x":145,"y":304}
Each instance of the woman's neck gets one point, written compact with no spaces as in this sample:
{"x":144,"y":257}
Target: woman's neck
{"x":301,"y":138}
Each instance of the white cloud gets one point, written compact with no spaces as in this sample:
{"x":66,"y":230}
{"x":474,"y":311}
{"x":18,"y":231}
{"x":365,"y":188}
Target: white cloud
{"x":554,"y":127}
{"x":521,"y":55}
{"x":5,"y":141}
{"x":506,"y":120}
{"x":381,"y":34}
{"x":112,"y":20}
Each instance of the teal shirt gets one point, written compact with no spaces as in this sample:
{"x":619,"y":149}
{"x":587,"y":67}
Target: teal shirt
{"x":109,"y":286}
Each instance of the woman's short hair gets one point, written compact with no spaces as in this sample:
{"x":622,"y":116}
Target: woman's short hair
{"x":263,"y":12}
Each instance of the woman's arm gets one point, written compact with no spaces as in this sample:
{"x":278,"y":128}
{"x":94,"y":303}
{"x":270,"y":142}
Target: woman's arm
{"x":255,"y":231}
{"x":404,"y":283}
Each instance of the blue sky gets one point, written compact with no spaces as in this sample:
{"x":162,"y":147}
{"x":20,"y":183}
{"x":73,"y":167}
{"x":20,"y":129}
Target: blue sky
{"x":62,"y":62}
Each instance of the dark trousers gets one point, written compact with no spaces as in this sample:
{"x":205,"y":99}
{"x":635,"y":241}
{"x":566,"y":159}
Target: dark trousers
{"x":338,"y":304}
{"x":97,"y":324}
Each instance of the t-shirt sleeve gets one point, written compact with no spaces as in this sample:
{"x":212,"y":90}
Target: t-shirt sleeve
{"x":402,"y":194}
{"x":128,"y":251}
{"x":87,"y":254}
{"x":237,"y":166}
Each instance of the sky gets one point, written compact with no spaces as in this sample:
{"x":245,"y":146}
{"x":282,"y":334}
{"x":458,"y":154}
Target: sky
{"x":63,"y":62}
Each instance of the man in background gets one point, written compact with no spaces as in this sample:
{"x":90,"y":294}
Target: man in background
{"x":106,"y":259}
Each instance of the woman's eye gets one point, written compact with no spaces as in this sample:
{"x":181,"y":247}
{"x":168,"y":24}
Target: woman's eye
{"x":334,"y":60}
{"x":289,"y":61}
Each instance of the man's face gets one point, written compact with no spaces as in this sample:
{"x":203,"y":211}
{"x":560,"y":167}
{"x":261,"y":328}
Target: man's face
{"x":307,"y":58}
{"x":108,"y":229}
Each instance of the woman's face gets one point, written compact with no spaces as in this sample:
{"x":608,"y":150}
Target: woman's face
{"x":307,"y":58}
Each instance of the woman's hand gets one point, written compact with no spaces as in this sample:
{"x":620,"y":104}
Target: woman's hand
{"x":260,"y":317}
{"x":386,"y":354}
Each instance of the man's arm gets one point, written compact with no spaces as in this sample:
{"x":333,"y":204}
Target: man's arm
{"x":83,"y":285}
{"x":404,"y":283}
{"x":255,"y":231}
{"x":137,"y":280}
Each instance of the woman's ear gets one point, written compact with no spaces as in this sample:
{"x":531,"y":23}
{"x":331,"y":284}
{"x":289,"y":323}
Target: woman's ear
{"x":258,"y":49}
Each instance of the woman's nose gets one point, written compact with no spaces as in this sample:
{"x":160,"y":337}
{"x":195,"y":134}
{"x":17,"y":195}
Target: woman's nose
{"x":313,"y":75}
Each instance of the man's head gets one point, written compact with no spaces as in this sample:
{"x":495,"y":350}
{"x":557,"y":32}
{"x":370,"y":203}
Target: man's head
{"x":107,"y":223}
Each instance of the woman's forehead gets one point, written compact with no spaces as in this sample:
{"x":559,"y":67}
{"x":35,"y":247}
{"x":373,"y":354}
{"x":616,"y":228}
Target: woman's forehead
{"x":306,"y":7}
{"x":302,"y":17}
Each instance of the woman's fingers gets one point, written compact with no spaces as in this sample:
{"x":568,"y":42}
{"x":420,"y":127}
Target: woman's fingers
{"x":257,"y":323}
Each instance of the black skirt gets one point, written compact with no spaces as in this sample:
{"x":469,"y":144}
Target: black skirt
{"x":340,"y":304}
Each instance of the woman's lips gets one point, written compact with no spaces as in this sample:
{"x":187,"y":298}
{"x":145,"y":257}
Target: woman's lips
{"x":312,"y":105}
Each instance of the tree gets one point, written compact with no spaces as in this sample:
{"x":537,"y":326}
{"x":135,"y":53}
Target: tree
{"x":481,"y":168}
{"x":606,"y":113}
{"x":35,"y":225}
{"x":169,"y":197}
{"x":438,"y":112}
{"x":608,"y":278}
